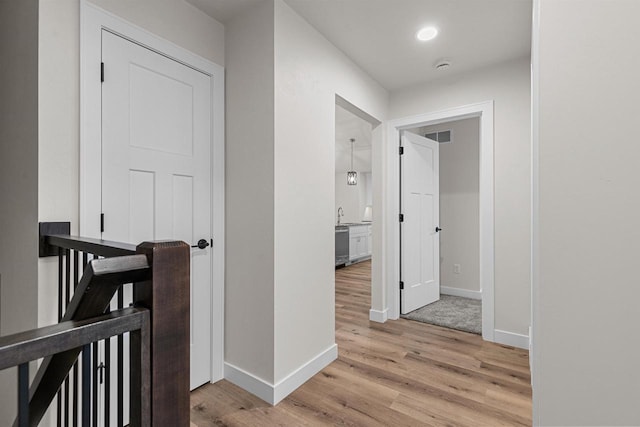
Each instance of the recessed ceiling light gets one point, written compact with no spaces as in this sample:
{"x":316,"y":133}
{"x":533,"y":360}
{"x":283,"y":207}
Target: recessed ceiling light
{"x":427,"y":33}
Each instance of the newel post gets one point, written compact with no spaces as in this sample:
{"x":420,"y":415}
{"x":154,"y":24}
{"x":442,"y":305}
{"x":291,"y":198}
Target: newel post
{"x":167,"y":296}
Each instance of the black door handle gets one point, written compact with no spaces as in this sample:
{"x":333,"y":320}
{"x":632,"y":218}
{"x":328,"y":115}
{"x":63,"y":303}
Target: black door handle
{"x":202,"y":243}
{"x":438,"y":229}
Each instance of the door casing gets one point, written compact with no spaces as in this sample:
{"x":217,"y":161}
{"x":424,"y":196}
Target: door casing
{"x":92,"y":21}
{"x":484,"y":111}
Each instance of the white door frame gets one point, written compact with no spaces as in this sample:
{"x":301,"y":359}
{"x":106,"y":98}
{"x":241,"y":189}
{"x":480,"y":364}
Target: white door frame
{"x":484,"y":111}
{"x":92,"y":21}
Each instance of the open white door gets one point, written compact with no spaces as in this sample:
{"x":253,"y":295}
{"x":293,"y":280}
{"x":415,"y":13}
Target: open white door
{"x":420,"y":207}
{"x":156,"y":166}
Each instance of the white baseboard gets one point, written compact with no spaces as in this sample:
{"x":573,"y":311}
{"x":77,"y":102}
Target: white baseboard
{"x":271,"y":393}
{"x":298,"y":377}
{"x":511,"y":338}
{"x":457,"y":292}
{"x":378,"y":316}
{"x":249,"y":382}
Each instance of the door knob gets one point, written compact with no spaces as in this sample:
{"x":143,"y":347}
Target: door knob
{"x":202,"y":243}
{"x":438,"y":229}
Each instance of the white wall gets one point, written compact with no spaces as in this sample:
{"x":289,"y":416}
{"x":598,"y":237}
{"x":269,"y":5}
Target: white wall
{"x":59,"y":133}
{"x":459,"y":204}
{"x":18,"y":165}
{"x":586,"y":313}
{"x":310,"y":71}
{"x":508,"y":85}
{"x":18,"y":180}
{"x":173,"y":20}
{"x":59,"y":100}
{"x":249,"y":288}
{"x":282,"y":81}
{"x":361,"y":158}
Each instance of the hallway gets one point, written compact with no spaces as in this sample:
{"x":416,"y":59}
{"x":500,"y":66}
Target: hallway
{"x":400,"y":373}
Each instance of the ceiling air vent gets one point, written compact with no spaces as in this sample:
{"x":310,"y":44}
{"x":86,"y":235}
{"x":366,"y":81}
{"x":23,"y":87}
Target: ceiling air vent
{"x":443,"y":137}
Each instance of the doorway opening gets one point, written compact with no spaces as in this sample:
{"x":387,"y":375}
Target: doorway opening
{"x":357,"y":144}
{"x":353,"y":188}
{"x":456,"y":301}
{"x":484,"y":113}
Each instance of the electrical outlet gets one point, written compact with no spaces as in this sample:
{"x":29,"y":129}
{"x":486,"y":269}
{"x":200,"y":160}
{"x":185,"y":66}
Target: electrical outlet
{"x":456,"y":268}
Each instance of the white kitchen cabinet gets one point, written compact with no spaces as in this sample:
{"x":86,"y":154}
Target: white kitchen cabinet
{"x":359,"y":242}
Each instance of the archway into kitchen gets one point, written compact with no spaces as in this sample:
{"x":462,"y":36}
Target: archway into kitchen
{"x":357,"y":208}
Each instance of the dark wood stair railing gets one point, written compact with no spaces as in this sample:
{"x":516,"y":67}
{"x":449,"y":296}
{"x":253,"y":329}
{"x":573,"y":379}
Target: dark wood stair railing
{"x":167,"y":295}
{"x":90,"y":272}
{"x":100,"y":281}
{"x":71,"y":336}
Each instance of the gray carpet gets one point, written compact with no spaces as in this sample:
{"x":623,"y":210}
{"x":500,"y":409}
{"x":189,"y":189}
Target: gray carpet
{"x":463,"y":314}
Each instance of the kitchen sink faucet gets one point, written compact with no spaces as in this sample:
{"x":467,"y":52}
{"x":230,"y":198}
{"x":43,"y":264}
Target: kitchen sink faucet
{"x":340,"y":214}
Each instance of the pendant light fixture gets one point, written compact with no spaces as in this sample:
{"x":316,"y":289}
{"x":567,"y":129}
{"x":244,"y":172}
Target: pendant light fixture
{"x":352,"y":176}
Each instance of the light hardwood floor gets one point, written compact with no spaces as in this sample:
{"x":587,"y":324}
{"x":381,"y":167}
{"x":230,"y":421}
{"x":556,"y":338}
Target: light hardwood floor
{"x":400,"y":373}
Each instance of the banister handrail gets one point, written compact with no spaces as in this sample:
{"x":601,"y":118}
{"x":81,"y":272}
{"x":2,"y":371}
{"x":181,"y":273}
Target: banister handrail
{"x":38,"y":343}
{"x":108,"y":274}
{"x":99,"y":247}
{"x":71,"y":336}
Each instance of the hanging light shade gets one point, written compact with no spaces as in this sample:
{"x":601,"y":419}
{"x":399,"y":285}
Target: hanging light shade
{"x":352,"y":176}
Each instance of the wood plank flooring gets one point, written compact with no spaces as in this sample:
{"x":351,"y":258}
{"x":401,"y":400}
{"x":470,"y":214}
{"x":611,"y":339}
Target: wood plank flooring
{"x":400,"y":373}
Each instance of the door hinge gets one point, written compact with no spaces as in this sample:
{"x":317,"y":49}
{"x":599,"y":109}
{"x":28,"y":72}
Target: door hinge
{"x":102,"y":223}
{"x":102,"y":72}
{"x":401,"y":217}
{"x":401,"y":284}
{"x":401,"y":150}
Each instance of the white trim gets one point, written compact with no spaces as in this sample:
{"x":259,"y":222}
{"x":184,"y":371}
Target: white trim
{"x":249,"y":382}
{"x":484,"y":110}
{"x":457,"y":292}
{"x":217,"y":225}
{"x":511,"y":338}
{"x":379,"y":316}
{"x":273,"y":394}
{"x":535,"y":203}
{"x":92,"y":21}
{"x":301,"y":375}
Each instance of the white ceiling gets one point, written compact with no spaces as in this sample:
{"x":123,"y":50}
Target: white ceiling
{"x":223,"y":10}
{"x":379,"y":35}
{"x":348,"y":126}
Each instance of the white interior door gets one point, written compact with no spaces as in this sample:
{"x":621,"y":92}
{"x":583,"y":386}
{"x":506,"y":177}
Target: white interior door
{"x":156,"y":166}
{"x":420,"y":206}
